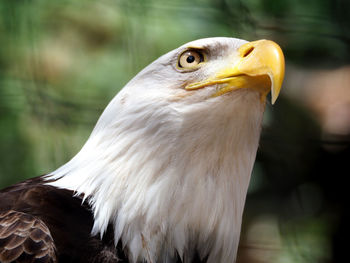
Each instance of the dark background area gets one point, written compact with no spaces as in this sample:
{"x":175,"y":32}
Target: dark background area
{"x":61,"y":62}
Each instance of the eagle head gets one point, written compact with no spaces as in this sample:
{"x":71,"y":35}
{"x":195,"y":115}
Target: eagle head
{"x":169,"y":161}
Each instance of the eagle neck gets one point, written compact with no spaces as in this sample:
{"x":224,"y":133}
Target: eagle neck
{"x":172,"y":183}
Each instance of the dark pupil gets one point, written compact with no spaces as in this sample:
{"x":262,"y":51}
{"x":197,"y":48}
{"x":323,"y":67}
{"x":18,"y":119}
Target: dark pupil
{"x":190,"y":59}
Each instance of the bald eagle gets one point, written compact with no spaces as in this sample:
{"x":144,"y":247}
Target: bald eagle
{"x":164,"y":175}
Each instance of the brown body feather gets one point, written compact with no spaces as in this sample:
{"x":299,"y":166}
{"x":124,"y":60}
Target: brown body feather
{"x":40,"y":223}
{"x":25,"y":238}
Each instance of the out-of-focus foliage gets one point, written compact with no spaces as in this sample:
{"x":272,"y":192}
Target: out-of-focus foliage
{"x":62,"y":61}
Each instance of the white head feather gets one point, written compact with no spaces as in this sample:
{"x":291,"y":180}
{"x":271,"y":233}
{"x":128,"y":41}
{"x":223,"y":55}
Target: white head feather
{"x":170,"y":168}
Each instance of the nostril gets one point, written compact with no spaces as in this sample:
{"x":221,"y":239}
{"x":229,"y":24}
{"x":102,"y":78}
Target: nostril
{"x":248,"y":51}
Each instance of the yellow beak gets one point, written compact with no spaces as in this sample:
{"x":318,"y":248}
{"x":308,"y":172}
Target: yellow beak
{"x":260,"y":66}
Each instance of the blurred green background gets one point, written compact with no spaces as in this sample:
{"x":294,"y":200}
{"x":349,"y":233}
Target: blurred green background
{"x":62,"y":61}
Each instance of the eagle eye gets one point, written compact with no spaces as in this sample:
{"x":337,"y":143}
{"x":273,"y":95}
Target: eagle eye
{"x":190,"y":59}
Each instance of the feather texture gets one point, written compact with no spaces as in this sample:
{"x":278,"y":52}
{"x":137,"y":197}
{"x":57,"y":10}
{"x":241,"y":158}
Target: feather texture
{"x":24,"y":238}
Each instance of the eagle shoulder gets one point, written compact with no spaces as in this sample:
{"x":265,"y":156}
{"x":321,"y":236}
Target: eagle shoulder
{"x":53,"y":221}
{"x":25,"y":238}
